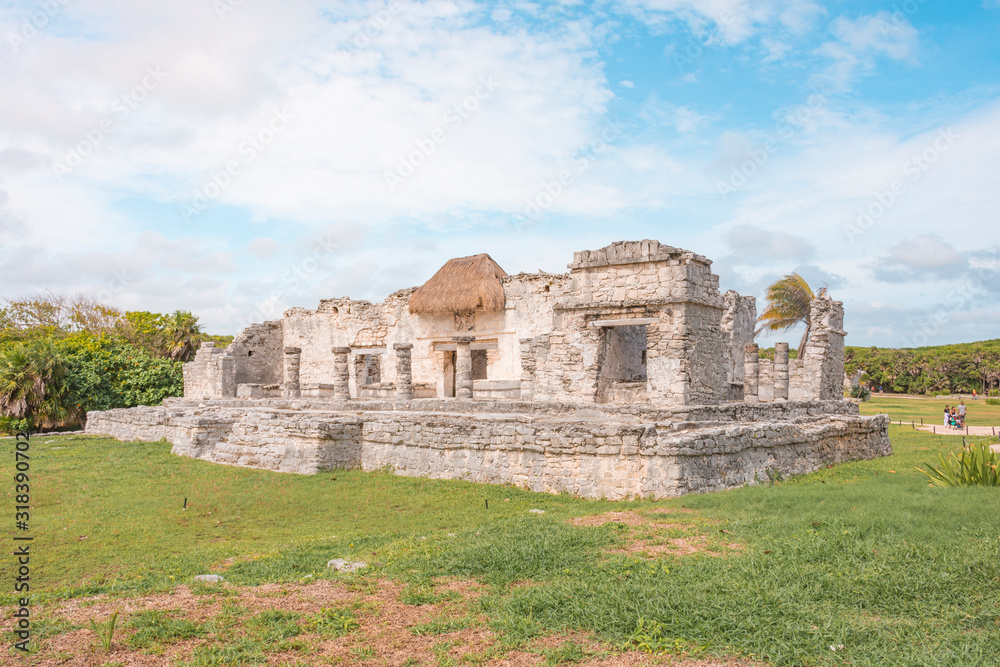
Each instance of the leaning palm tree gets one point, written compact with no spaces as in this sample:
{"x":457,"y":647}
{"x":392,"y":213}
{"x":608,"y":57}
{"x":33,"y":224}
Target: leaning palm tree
{"x":183,"y":333}
{"x":789,"y":302}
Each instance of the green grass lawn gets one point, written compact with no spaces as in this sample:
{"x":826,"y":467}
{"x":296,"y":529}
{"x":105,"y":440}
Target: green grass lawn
{"x":865,"y":558}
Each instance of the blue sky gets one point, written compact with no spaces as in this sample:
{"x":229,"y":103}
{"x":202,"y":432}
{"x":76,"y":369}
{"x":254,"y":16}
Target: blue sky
{"x":236,"y":159}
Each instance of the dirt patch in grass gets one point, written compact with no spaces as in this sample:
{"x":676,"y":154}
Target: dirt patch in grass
{"x":651,"y":538}
{"x":384,"y":635}
{"x":670,"y":510}
{"x":627,"y":518}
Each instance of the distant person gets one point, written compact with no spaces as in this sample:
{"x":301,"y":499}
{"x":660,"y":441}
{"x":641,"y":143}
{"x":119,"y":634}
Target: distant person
{"x":961,"y":413}
{"x":947,"y":415}
{"x":975,"y":396}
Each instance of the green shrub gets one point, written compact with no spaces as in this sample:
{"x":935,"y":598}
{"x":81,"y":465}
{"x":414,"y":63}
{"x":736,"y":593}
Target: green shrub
{"x":105,"y":373}
{"x":861,"y":391}
{"x":993,"y":401}
{"x":976,"y":465}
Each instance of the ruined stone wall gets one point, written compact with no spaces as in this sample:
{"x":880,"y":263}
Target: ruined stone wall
{"x":704,"y":356}
{"x":823,"y":366}
{"x":257,"y":351}
{"x":211,"y":374}
{"x":546,"y":343}
{"x":670,"y":292}
{"x":588,"y":457}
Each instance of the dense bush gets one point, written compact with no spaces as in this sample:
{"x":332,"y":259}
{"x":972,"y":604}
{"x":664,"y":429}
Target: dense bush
{"x":63,"y":356}
{"x":104,"y":372}
{"x":46,"y":384}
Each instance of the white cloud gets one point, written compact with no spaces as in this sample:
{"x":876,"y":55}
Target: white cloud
{"x":924,"y":257}
{"x":726,"y":21}
{"x":859,"y":42}
{"x":753,"y":245}
{"x":358,"y":110}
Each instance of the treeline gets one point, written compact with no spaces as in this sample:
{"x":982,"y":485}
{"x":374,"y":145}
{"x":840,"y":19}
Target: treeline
{"x":63,"y":356}
{"x":942,"y":369}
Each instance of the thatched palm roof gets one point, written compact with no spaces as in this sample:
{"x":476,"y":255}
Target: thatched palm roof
{"x":462,"y":284}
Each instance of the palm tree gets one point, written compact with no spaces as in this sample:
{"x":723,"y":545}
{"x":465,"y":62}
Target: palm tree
{"x":183,"y":333}
{"x":789,"y":301}
{"x":31,"y":386}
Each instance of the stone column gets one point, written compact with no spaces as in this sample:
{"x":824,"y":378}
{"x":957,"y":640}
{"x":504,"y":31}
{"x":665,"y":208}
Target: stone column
{"x":463,"y":366}
{"x":751,"y":372}
{"x":341,"y":373}
{"x":404,"y":370}
{"x":292,"y":359}
{"x":227,"y":375}
{"x":781,"y":371}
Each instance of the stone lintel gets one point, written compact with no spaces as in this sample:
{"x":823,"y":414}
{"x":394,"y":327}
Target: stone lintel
{"x":479,"y":345}
{"x":649,"y":304}
{"x":625,"y":322}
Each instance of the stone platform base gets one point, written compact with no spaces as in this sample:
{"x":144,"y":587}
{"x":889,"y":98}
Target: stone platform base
{"x":591,"y":451}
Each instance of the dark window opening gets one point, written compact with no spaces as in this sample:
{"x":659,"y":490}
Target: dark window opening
{"x":623,"y":357}
{"x":479,"y":363}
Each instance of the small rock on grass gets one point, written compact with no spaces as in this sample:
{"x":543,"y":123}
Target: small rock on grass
{"x":537,"y":511}
{"x":341,"y":565}
{"x":210,"y":578}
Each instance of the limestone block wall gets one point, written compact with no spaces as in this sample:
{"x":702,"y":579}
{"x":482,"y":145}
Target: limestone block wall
{"x":191,"y":432}
{"x":675,"y":295}
{"x":211,"y":374}
{"x":703,"y":448}
{"x":823,"y":366}
{"x":641,"y":271}
{"x":738,"y":322}
{"x":257,"y":352}
{"x":727,"y":457}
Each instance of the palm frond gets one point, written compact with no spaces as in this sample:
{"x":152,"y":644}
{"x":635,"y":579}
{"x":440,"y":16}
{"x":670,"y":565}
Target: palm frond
{"x":789,"y":301}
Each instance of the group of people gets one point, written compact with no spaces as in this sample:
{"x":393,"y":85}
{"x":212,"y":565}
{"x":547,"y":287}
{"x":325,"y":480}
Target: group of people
{"x":955,"y":415}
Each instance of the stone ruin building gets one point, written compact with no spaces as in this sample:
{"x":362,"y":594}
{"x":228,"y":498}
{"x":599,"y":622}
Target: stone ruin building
{"x":629,"y":376}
